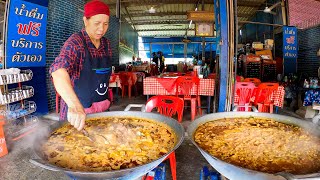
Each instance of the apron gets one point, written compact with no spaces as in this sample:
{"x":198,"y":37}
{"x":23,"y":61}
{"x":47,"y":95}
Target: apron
{"x":92,"y":85}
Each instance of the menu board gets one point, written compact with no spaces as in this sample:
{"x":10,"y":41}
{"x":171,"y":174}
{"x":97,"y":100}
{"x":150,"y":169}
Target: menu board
{"x":26,"y":35}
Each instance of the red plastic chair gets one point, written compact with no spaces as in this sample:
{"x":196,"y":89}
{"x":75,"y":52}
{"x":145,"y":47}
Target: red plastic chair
{"x":190,"y":73}
{"x":127,"y":79}
{"x":212,"y":76}
{"x":245,"y":91}
{"x":239,"y":78}
{"x":184,"y":85}
{"x":168,"y":106}
{"x":113,"y":79}
{"x":154,"y":70}
{"x":264,"y":96}
{"x":256,"y":81}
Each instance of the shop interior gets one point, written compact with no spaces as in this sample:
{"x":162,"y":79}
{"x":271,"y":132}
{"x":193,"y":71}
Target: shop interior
{"x":258,"y":46}
{"x":257,"y":56}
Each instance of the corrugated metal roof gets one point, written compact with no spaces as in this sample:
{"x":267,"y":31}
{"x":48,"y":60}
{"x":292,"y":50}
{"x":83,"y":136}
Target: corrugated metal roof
{"x":170,"y":16}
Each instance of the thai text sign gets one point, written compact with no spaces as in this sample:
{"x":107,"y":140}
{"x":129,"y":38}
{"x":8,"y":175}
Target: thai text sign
{"x":290,"y":42}
{"x":26,"y":37}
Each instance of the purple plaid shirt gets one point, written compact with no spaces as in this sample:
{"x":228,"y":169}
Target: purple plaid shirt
{"x":72,"y":56}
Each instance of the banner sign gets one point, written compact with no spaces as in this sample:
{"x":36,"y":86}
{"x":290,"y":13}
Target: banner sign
{"x":290,"y":42}
{"x":26,"y":37}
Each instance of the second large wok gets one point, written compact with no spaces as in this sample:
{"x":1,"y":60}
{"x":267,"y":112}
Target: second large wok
{"x":234,"y":172}
{"x":123,"y":174}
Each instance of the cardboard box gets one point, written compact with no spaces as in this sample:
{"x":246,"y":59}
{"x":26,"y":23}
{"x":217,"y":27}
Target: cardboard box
{"x":269,"y":42}
{"x":257,"y":45}
{"x":306,"y":112}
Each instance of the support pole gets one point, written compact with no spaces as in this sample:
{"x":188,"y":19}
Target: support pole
{"x":223,"y":58}
{"x":118,"y":7}
{"x":203,"y":41}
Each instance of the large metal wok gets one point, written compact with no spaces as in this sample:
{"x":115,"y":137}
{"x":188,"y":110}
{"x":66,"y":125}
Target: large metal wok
{"x":124,"y":174}
{"x":233,"y":172}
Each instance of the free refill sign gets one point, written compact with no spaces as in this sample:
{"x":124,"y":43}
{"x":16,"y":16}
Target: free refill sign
{"x":290,"y":49}
{"x":26,"y":34}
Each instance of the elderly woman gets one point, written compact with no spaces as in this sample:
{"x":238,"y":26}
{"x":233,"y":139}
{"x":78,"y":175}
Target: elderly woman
{"x":82,"y":70}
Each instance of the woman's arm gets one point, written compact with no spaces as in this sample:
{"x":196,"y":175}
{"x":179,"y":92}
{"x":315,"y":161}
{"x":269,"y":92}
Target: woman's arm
{"x":76,"y":114}
{"x":65,"y":67}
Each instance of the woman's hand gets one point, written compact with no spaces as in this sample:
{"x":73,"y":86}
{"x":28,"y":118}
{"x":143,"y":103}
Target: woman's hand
{"x":76,"y":116}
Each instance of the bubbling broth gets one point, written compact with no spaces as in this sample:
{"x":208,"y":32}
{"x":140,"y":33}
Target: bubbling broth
{"x":260,"y":144}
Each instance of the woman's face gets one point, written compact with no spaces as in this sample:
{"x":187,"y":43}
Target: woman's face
{"x":96,"y":26}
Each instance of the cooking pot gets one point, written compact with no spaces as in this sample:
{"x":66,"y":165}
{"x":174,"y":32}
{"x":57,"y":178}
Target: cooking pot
{"x":234,"y":172}
{"x":122,"y":174}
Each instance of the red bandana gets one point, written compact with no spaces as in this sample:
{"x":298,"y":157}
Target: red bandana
{"x":95,"y":7}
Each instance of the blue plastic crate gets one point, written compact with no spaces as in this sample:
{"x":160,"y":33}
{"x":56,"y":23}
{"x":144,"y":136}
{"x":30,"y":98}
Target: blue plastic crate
{"x":158,"y":173}
{"x":206,"y":174}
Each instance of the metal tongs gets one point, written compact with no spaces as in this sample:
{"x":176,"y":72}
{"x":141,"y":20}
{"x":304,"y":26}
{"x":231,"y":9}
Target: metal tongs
{"x":91,"y":138}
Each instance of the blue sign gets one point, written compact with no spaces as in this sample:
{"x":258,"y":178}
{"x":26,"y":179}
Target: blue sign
{"x":290,"y":42}
{"x":42,"y":2}
{"x":26,"y":37}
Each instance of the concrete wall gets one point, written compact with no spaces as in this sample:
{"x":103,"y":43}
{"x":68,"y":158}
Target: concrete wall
{"x":129,"y":43}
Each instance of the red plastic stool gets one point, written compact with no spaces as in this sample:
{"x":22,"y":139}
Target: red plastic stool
{"x":173,"y":165}
{"x":168,"y":106}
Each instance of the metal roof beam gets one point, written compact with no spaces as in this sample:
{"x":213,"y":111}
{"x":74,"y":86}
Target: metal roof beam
{"x":244,"y":15}
{"x":164,"y":35}
{"x":137,"y":3}
{"x":160,"y":22}
{"x":131,"y":20}
{"x":249,"y":3}
{"x":157,"y":14}
{"x":181,"y":29}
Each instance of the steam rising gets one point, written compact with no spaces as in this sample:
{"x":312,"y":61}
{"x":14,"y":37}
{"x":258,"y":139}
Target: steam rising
{"x":43,"y":130}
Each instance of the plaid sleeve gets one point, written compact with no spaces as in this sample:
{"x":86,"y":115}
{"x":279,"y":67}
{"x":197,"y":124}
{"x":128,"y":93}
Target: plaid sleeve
{"x":109,"y":48}
{"x":68,"y":56}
